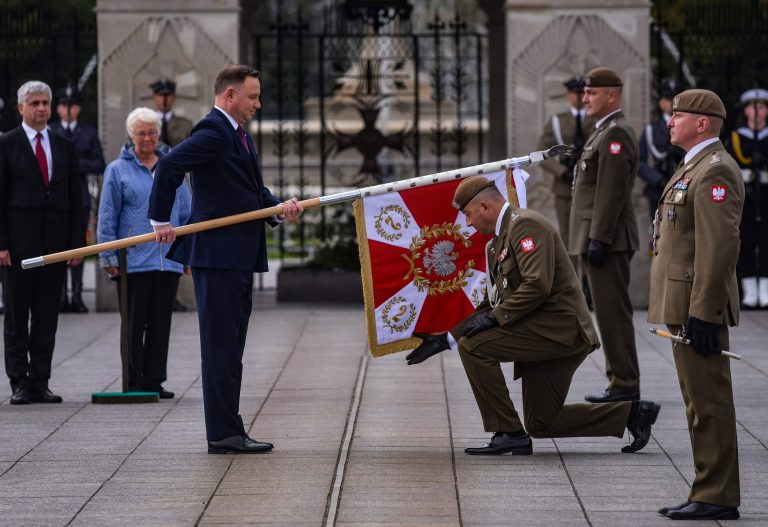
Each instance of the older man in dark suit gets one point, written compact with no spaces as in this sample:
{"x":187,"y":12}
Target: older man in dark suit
{"x":40,"y":212}
{"x":227,"y":180}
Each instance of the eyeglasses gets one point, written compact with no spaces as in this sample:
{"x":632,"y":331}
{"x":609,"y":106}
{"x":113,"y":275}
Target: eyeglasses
{"x":149,"y":133}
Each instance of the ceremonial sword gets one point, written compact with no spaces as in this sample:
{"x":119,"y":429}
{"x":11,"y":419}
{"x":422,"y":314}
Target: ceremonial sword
{"x":682,"y":340}
{"x":396,"y":186}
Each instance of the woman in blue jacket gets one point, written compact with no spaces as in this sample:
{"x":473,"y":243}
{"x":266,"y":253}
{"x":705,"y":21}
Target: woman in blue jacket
{"x":152,"y":279}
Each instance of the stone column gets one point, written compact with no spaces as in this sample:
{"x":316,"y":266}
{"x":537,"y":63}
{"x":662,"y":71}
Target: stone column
{"x":550,"y":41}
{"x":140,"y":41}
{"x":497,"y":79}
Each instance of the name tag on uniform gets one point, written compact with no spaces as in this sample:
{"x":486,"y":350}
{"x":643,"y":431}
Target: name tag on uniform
{"x":683,"y":183}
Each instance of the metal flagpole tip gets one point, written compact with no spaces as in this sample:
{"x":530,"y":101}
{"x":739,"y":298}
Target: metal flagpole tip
{"x":29,"y":263}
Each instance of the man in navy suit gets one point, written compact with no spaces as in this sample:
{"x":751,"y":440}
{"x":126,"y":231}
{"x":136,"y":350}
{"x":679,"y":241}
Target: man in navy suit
{"x":226,"y":180}
{"x":41,"y":212}
{"x":90,"y":157}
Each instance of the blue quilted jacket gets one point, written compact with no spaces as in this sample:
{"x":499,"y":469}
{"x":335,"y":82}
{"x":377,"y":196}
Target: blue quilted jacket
{"x":123,"y":213}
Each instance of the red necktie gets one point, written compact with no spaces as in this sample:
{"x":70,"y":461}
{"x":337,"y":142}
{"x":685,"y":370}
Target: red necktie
{"x":241,"y":133}
{"x":41,"y":159}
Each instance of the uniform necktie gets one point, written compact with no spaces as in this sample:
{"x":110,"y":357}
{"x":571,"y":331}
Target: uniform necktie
{"x":241,"y":134}
{"x":579,"y":135}
{"x":41,"y":159}
{"x":69,"y":131}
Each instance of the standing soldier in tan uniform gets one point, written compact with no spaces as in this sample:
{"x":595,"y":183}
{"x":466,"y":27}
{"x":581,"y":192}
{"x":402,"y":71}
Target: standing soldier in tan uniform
{"x":604,"y":230}
{"x":571,"y":127}
{"x":694,"y":290}
{"x":534,"y":315}
{"x":174,"y":128}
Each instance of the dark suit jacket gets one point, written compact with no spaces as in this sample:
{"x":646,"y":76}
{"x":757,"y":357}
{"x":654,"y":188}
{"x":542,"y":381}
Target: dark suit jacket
{"x":35,"y":220}
{"x":87,"y":146}
{"x":226,"y":180}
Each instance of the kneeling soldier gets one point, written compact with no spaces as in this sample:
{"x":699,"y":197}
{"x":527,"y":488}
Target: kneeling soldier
{"x":535,"y":315}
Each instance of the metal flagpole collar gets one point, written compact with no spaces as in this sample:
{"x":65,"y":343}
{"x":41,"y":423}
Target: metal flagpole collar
{"x":29,"y":263}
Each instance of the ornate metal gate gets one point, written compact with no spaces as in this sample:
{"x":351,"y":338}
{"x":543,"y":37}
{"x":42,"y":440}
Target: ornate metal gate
{"x":363,"y":99}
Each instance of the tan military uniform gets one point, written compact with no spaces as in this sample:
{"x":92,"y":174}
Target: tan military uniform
{"x":561,"y":129}
{"x":693,"y":273}
{"x":179,"y":129}
{"x":545,"y":328}
{"x":602,"y":210}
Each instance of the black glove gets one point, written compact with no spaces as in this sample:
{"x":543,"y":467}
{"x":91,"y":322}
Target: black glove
{"x":479,"y":322}
{"x":431,"y":345}
{"x":596,"y":253}
{"x":704,"y":337}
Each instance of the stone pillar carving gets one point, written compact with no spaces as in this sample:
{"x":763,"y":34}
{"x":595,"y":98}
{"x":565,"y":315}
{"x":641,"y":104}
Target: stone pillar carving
{"x":550,"y":41}
{"x":140,"y":41}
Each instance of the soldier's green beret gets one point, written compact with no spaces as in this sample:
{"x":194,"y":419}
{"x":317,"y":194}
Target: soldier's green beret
{"x":700,"y":102}
{"x":468,"y":189}
{"x":602,"y":78}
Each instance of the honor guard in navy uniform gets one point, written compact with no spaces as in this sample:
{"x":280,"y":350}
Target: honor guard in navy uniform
{"x":174,"y":128}
{"x":533,"y":314}
{"x":571,"y":127}
{"x":658,"y":157}
{"x":604,"y":229}
{"x":749,"y":146}
{"x":694,"y":292}
{"x":69,"y":103}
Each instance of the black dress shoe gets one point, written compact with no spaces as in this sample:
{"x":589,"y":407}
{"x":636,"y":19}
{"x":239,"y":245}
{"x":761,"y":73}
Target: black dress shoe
{"x":641,"y":417}
{"x":704,"y":511}
{"x":502,"y":443}
{"x":163,"y":393}
{"x":178,"y":307}
{"x":609,"y":396}
{"x":238,"y":445}
{"x":44,"y":395}
{"x":77,"y":306}
{"x":665,"y":510}
{"x":21,"y":395}
{"x":262,"y":442}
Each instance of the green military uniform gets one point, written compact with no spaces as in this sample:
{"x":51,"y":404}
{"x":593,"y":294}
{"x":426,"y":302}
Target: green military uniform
{"x":602,"y":210}
{"x":544,"y":328}
{"x":693,"y":274}
{"x":561,"y":129}
{"x":179,"y":129}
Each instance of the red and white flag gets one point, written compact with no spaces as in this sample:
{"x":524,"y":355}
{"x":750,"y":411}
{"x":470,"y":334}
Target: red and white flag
{"x":423,"y":268}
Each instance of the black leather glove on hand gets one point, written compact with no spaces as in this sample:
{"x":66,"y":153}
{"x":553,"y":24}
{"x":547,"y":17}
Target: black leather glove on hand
{"x":596,"y":253}
{"x":431,"y":345}
{"x":704,"y":337}
{"x":479,"y":322}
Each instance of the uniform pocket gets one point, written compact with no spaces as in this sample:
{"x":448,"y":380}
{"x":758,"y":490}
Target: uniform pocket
{"x":677,"y":300}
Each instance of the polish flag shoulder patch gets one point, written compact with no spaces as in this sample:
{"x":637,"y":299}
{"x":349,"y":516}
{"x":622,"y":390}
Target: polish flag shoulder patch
{"x":527,"y":245}
{"x":614,"y":148}
{"x":718,"y":193}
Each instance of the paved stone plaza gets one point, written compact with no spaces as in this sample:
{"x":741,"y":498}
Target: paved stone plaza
{"x":358,"y":440}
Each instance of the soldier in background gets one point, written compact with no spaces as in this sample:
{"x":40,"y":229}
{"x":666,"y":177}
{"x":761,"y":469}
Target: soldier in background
{"x":658,"y":157}
{"x":2,"y":269}
{"x":571,"y":127}
{"x":69,"y":103}
{"x":749,"y":147}
{"x":174,"y":128}
{"x":603,"y":230}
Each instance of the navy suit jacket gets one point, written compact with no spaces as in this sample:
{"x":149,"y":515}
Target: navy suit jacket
{"x":35,"y":219}
{"x":226,"y":180}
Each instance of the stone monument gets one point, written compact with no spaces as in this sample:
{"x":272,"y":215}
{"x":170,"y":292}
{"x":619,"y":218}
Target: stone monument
{"x":140,"y":41}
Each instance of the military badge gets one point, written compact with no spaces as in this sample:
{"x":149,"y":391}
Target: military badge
{"x":614,"y":148}
{"x":718,"y":193}
{"x":678,"y":196}
{"x":504,"y":283}
{"x":503,"y":254}
{"x":683,"y":184}
{"x":527,"y":245}
{"x":714,"y":159}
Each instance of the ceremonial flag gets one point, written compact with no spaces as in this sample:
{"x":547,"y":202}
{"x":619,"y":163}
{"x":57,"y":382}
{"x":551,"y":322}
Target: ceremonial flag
{"x":423,"y":268}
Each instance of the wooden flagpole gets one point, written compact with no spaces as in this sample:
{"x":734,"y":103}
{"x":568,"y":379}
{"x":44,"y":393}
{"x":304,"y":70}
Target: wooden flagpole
{"x":384,"y":188}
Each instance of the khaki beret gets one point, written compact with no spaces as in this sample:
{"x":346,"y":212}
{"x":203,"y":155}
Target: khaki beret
{"x":468,"y":189}
{"x":700,"y":102}
{"x":602,"y":78}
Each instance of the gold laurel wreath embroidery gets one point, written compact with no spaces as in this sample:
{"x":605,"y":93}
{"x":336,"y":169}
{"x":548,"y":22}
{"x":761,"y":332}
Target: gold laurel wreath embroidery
{"x":396,"y":226}
{"x":391,"y":323}
{"x":443,"y":286}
